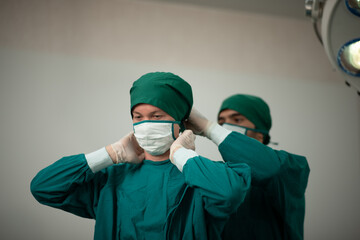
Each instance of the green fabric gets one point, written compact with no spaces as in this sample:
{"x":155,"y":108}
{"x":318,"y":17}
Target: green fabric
{"x":164,"y":90}
{"x":253,"y":108}
{"x":274,"y":208}
{"x":152,"y":200}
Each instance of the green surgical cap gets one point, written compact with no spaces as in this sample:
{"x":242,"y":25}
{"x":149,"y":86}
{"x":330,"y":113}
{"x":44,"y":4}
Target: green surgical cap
{"x":164,"y":90}
{"x":253,"y":108}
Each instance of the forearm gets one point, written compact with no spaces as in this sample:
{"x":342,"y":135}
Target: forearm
{"x":223,"y":186}
{"x":57,"y":184}
{"x":263,"y":161}
{"x":68,"y":182}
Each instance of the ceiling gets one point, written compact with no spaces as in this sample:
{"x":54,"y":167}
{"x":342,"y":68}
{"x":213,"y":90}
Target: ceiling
{"x":284,"y":8}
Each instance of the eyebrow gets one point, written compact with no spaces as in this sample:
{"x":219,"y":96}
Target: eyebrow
{"x":156,"y":111}
{"x":236,"y":115}
{"x":232,"y":115}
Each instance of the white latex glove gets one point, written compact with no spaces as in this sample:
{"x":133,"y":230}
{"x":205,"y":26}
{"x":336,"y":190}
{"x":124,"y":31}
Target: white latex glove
{"x":199,"y":124}
{"x":128,"y":150}
{"x":185,"y":140}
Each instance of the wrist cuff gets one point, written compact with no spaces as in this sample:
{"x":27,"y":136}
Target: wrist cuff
{"x":217,"y":133}
{"x":181,"y":156}
{"x":98,"y":160}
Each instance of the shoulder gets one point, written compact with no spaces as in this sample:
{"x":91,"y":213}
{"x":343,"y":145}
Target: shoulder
{"x":115,"y":173}
{"x":293,"y":167}
{"x":287,"y":156}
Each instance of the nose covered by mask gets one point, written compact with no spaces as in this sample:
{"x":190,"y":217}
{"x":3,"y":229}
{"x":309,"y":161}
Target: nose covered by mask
{"x":155,"y":137}
{"x":235,"y":128}
{"x":240,"y":129}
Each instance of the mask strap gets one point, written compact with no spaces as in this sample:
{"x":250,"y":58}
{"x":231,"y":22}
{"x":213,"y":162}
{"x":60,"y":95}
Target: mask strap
{"x":172,"y":131}
{"x":258,"y":130}
{"x":182,"y":126}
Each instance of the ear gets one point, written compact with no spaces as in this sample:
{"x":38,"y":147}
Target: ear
{"x":259,"y":136}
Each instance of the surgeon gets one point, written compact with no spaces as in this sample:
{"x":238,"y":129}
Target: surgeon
{"x":151,"y":184}
{"x":274,"y":208}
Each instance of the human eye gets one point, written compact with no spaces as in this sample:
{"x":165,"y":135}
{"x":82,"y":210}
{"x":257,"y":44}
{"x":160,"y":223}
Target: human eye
{"x":136,"y":117}
{"x":157,"y":116}
{"x":238,"y":119}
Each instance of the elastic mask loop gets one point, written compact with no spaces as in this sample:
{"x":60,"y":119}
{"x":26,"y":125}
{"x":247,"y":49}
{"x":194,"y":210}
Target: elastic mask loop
{"x":243,"y":130}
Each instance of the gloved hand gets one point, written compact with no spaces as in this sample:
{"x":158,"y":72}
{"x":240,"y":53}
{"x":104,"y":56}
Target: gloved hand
{"x":126,"y":149}
{"x":199,"y":124}
{"x":185,"y":140}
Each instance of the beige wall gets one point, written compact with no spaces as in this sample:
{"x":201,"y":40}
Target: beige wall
{"x":66,"y":68}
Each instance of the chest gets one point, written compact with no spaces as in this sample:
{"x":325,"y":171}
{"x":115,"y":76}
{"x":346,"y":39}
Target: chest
{"x":139,"y":202}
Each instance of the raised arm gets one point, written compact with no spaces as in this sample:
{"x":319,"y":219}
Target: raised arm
{"x":67,"y":184}
{"x":223,"y":186}
{"x":73,"y":183}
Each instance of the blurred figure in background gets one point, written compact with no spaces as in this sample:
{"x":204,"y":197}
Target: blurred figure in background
{"x":274,"y":207}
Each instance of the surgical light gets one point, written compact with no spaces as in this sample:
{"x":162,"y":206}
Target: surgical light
{"x":353,"y":6}
{"x":339,"y":35}
{"x":349,"y":57}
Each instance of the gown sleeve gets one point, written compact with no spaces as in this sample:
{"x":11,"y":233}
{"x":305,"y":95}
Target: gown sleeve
{"x":282,"y":176}
{"x":223,"y":186}
{"x":265,"y":162}
{"x":68,"y":184}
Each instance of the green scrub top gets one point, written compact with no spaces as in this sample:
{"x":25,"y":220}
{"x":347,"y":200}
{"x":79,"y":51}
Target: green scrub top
{"x":151,"y":200}
{"x":274,"y":207}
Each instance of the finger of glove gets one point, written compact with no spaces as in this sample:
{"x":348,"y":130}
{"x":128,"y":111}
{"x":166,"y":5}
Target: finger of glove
{"x":135,"y":145}
{"x":198,"y":121}
{"x":134,"y":153}
{"x":128,"y":150}
{"x":187,"y":139}
{"x":190,"y":126}
{"x":119,"y":151}
{"x":196,"y":116}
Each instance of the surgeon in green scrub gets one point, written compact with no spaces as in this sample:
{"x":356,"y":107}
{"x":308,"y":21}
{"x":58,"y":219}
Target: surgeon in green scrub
{"x":151,"y":184}
{"x":274,"y":208}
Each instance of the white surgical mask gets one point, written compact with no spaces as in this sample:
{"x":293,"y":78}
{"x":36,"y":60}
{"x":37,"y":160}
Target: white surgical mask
{"x":155,"y":137}
{"x":240,"y":129}
{"x":235,"y":128}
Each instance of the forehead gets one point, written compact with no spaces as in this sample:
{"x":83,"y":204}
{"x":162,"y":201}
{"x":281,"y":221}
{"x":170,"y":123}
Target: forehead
{"x":229,"y":113}
{"x":144,"y":108}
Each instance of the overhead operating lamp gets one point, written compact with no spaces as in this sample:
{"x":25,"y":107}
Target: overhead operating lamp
{"x":339,"y":34}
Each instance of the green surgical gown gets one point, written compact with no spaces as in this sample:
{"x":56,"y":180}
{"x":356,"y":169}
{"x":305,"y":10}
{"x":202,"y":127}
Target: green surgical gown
{"x":151,"y":200}
{"x":274,"y":207}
